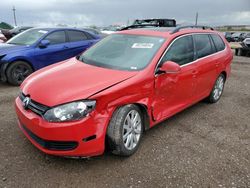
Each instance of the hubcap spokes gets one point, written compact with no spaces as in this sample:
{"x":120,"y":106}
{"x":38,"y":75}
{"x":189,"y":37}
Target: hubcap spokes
{"x":218,"y":88}
{"x":20,"y":73}
{"x":132,"y":129}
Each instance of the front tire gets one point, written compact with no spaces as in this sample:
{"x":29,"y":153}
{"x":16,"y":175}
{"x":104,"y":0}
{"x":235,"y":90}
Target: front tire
{"x":125,"y":130}
{"x":17,"y":72}
{"x":217,"y":89}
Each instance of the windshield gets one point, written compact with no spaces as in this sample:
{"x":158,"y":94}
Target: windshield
{"x":123,"y":52}
{"x":28,"y":37}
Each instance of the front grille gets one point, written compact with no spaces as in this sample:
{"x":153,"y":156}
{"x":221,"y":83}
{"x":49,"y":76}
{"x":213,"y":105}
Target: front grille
{"x":52,"y":145}
{"x":34,"y":106}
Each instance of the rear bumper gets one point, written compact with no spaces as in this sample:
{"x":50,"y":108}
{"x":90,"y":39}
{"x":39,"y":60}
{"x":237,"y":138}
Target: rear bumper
{"x":80,"y":138}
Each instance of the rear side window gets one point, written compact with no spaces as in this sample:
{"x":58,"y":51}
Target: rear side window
{"x":203,"y":45}
{"x":75,"y":36}
{"x":181,"y":51}
{"x":218,"y":42}
{"x":57,"y":37}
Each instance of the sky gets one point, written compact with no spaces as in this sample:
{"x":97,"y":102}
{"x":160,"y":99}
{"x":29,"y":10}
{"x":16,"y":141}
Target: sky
{"x":106,"y":12}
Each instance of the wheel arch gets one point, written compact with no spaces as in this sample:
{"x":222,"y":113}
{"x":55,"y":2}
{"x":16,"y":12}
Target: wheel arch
{"x":144,"y":110}
{"x":224,"y":73}
{"x":146,"y":118}
{"x":21,"y":59}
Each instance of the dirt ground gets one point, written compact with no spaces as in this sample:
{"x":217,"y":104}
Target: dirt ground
{"x":203,"y":146}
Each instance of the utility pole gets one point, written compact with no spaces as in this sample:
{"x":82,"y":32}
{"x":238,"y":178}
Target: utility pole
{"x":14,"y":14}
{"x":196,"y":18}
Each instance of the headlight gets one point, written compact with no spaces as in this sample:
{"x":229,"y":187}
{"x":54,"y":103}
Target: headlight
{"x":69,"y":112}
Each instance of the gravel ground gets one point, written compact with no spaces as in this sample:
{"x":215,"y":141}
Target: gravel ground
{"x":203,"y":146}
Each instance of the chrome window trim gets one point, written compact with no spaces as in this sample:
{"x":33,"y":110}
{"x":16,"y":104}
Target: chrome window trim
{"x":159,"y":61}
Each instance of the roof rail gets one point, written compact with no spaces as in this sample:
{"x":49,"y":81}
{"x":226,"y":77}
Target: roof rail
{"x":191,"y":26}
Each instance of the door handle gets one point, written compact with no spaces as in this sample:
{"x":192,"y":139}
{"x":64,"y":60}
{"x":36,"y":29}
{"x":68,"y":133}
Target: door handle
{"x":65,"y":47}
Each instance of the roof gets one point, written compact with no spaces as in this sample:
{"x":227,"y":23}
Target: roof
{"x":55,"y":28}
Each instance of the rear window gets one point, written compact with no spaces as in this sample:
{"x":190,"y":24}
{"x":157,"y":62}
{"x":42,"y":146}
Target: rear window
{"x":75,"y":36}
{"x":218,"y":42}
{"x":203,"y":45}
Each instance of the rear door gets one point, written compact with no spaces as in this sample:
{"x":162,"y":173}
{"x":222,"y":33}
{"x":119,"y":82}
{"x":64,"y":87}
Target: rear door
{"x":174,"y":92}
{"x":79,"y":41}
{"x":206,"y":61}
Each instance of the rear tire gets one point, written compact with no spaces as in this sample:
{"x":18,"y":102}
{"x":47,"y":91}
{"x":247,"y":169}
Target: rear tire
{"x":17,"y":72}
{"x":217,"y":89}
{"x":125,"y":130}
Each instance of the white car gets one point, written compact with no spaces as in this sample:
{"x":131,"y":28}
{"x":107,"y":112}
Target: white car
{"x":246,"y":41}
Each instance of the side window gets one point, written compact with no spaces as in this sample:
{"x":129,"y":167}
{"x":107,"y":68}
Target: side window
{"x":90,"y":37}
{"x":218,"y":42}
{"x":75,"y":36}
{"x":181,"y":51}
{"x":57,"y":37}
{"x":203,"y":45}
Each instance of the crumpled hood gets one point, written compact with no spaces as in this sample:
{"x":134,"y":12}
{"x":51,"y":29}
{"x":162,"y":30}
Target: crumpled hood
{"x":10,"y":48}
{"x":69,"y":81}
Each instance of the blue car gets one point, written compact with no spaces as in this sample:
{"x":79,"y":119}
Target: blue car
{"x":39,"y":47}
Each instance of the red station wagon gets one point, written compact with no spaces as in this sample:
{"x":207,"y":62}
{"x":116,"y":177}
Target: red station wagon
{"x":125,"y":84}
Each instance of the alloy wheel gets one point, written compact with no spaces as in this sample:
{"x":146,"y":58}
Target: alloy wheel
{"x":218,"y":88}
{"x":132,"y":130}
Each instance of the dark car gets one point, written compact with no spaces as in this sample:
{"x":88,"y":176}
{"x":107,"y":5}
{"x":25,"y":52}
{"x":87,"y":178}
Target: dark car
{"x":2,"y":37}
{"x":244,"y":36}
{"x":11,"y":33}
{"x":154,"y":22}
{"x":237,"y":36}
{"x":244,"y":49}
{"x":39,"y":47}
{"x":228,"y":36}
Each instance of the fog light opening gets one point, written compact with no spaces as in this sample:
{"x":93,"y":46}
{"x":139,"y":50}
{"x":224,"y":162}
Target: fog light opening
{"x":89,"y":138}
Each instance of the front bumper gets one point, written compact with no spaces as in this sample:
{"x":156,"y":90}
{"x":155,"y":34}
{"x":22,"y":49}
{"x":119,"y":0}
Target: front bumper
{"x":3,"y":67}
{"x":80,"y":138}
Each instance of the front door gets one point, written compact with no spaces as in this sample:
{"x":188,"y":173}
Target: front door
{"x":175,"y":91}
{"x":55,"y":52}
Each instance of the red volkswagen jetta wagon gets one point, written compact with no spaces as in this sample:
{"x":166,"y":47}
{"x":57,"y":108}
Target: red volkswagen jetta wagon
{"x":122,"y":86}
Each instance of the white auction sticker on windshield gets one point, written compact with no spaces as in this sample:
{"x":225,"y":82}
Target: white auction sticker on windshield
{"x":142,"y":45}
{"x":42,"y":31}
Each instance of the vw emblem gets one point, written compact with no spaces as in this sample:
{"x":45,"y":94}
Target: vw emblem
{"x":26,"y":102}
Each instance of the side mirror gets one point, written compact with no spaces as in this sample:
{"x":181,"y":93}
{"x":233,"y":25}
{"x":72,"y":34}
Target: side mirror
{"x":170,"y":67}
{"x":44,"y":43}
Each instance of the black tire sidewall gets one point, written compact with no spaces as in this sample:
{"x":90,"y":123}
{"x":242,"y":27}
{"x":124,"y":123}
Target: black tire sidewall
{"x":11,"y":68}
{"x":119,"y":147}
